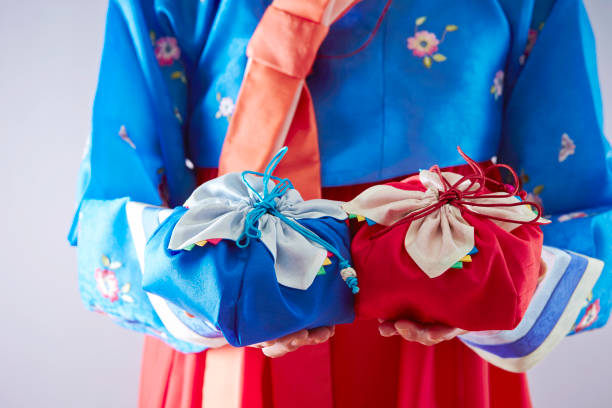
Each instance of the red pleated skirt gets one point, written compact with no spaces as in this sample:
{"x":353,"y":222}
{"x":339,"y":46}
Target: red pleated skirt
{"x":356,"y":368}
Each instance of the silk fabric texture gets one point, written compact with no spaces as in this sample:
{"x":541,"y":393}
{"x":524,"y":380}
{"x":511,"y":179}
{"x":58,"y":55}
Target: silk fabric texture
{"x":274,"y":107}
{"x":539,"y":103}
{"x":437,"y":241}
{"x":236,"y":289}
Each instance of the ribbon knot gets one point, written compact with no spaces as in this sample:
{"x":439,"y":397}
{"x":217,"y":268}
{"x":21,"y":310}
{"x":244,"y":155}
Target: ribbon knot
{"x":470,"y":191}
{"x":266,"y":204}
{"x":451,"y":195}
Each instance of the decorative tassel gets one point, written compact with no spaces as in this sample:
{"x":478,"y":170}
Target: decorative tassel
{"x":350,"y":277}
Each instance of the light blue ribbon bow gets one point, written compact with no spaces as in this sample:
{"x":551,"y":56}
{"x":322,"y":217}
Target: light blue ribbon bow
{"x":267,"y":205}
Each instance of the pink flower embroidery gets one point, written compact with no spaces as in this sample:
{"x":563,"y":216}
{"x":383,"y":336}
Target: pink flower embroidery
{"x":107,"y":284}
{"x":167,"y":51}
{"x":124,"y":135}
{"x":567,"y":147}
{"x":590,"y":316}
{"x":497,"y":89}
{"x":571,"y":216}
{"x":423,"y":43}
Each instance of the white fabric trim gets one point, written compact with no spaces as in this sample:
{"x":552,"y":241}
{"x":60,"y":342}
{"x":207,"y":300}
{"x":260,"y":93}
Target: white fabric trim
{"x":171,"y":322}
{"x":561,"y":329}
{"x":557,"y":262}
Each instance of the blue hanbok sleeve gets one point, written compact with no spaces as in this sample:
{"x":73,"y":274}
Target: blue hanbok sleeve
{"x":553,"y":136}
{"x":136,"y":153}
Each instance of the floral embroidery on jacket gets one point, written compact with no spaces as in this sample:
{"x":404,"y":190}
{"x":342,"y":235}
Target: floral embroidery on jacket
{"x":226,"y":107}
{"x":572,"y":216}
{"x":124,"y":135}
{"x":497,"y":89}
{"x":590,"y":316}
{"x":567,"y":147}
{"x":177,"y":115}
{"x":167,"y":51}
{"x":424,"y":44}
{"x":179,"y":75}
{"x":107,"y":283}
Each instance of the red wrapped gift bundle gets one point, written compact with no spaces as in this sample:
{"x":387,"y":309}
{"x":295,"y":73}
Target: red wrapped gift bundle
{"x":440,"y":247}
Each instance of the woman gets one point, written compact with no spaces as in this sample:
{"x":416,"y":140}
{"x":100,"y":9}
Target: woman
{"x":394,"y":87}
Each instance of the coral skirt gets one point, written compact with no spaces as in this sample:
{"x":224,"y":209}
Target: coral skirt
{"x":356,"y":368}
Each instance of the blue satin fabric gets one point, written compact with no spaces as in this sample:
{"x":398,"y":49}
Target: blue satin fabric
{"x":380,"y":113}
{"x":236,"y":289}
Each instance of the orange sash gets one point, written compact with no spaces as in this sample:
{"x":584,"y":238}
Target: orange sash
{"x":274,"y":107}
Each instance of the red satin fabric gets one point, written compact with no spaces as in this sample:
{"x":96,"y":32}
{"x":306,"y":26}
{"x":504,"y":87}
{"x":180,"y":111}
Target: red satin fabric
{"x":356,"y":368}
{"x":491,"y":292}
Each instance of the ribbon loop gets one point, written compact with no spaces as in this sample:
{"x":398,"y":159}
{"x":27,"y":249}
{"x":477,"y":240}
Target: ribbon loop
{"x":267,"y":205}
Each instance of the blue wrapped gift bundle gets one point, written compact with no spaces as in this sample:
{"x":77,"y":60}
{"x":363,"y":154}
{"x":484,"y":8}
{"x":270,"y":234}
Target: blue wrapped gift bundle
{"x":248,"y":256}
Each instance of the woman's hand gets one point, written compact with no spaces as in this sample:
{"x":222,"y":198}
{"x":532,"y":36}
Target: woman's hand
{"x":293,"y":341}
{"x":426,"y":334}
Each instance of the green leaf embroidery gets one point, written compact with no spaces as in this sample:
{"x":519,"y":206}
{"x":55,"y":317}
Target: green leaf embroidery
{"x":105,"y":261}
{"x":126,"y":288}
{"x":427,"y":62}
{"x":537,"y":190}
{"x":451,"y":27}
{"x":439,"y":57}
{"x":420,"y":20}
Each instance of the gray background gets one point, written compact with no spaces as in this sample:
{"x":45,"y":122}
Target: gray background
{"x":53,"y":352}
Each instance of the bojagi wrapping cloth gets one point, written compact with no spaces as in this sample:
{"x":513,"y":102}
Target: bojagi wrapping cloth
{"x":445,"y":248}
{"x":253,"y":259}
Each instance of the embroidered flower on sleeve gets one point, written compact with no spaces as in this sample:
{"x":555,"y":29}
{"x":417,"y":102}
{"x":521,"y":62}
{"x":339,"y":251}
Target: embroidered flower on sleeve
{"x":572,"y":216}
{"x":226,"y":107}
{"x":167,"y":51}
{"x":425,"y":44}
{"x":567,"y":147}
{"x":107,"y":284}
{"x":124,"y":135}
{"x":497,"y":89}
{"x":590,"y":316}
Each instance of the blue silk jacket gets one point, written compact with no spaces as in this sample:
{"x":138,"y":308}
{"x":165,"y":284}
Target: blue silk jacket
{"x":514,"y":79}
